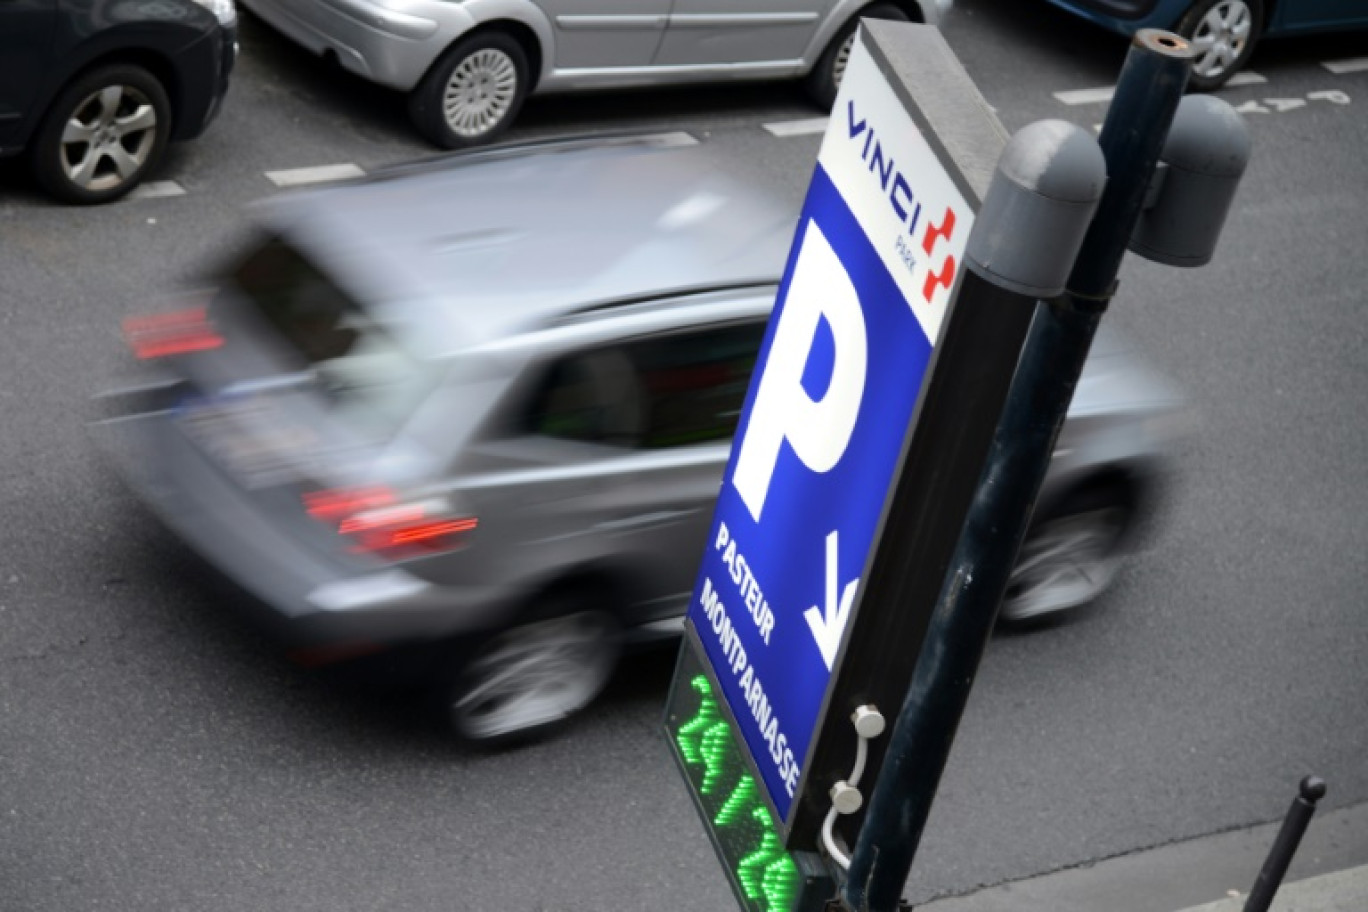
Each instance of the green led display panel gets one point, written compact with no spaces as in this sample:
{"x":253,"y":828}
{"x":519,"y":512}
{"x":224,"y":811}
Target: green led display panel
{"x":764,"y":877}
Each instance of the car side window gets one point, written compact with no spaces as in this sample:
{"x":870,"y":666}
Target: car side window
{"x":592,"y":397}
{"x":652,"y":393}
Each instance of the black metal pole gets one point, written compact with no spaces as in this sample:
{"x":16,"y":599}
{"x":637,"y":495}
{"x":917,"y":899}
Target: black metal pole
{"x":1294,"y":825}
{"x":920,"y":743}
{"x":1148,"y":92}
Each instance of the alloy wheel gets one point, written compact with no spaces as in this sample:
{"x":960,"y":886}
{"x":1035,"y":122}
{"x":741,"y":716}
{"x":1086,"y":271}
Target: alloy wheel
{"x":1221,"y":36}
{"x":1066,"y":562}
{"x":108,"y":138}
{"x":534,"y":675}
{"x":838,"y":66}
{"x":480,"y":92}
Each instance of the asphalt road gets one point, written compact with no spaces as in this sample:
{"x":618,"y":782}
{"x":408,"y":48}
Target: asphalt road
{"x":155,"y":754}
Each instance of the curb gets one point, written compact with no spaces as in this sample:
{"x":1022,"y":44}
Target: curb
{"x":1328,"y":874}
{"x":1343,"y":891}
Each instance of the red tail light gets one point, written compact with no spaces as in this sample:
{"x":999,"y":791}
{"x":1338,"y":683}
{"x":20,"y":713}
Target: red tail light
{"x":341,"y":503}
{"x":376,"y":522}
{"x":178,"y":333}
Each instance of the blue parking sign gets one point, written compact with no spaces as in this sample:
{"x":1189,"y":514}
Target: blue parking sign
{"x":837,"y":383}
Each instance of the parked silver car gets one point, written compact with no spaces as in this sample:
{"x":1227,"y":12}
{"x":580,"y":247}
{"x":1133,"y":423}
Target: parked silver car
{"x":467,"y":66}
{"x":485,"y":403}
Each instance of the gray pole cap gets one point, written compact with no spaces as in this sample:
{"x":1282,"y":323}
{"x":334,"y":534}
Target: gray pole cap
{"x":1037,"y":209}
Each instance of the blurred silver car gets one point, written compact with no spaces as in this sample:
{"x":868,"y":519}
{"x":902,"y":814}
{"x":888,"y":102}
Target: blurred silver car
{"x":467,"y":66}
{"x":485,"y":404}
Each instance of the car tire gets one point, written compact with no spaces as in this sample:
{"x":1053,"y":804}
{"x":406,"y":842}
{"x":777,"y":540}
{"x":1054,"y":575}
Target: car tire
{"x":523,"y":682}
{"x":106,"y":131}
{"x":1223,"y":33}
{"x":473,"y":92}
{"x":825,"y":79}
{"x":1071,"y":553}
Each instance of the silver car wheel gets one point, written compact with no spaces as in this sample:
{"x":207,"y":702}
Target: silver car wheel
{"x":109,"y":137}
{"x":480,"y":92}
{"x":1066,"y":562}
{"x":838,"y":66}
{"x":535,"y":674}
{"x":1221,"y":36}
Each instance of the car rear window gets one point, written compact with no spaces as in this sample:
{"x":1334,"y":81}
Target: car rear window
{"x":368,"y":378}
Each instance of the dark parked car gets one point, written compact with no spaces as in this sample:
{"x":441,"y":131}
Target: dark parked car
{"x":94,"y":89}
{"x":1222,"y":31}
{"x":486,"y":404}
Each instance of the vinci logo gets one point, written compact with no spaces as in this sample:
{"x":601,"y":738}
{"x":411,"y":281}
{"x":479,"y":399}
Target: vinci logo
{"x":934,"y":235}
{"x":897,"y":191}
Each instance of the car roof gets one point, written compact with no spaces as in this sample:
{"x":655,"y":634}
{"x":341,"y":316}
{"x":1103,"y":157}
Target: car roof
{"x":498,"y":242}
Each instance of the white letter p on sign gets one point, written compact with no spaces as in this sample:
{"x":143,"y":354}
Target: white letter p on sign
{"x":817,"y":429}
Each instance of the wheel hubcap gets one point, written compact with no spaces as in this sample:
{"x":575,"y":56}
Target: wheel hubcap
{"x":108,"y":139}
{"x":1065,"y":563}
{"x":1221,"y":37}
{"x":536,"y":674}
{"x":480,"y":92}
{"x":838,"y":67}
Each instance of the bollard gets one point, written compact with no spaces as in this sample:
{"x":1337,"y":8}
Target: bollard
{"x":1290,"y":835}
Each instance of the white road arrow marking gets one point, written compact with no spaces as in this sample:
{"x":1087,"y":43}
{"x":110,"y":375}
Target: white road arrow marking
{"x":1285,"y":104}
{"x":827,"y":627}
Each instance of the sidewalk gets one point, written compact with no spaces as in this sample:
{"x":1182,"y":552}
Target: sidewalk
{"x":1343,"y":891}
{"x":1209,"y":874}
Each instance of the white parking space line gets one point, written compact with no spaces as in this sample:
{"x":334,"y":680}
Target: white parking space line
{"x":1104,"y":93}
{"x":671,"y":140}
{"x":798,"y":127}
{"x":1352,"y":65}
{"x":1086,"y":96}
{"x":156,"y":190}
{"x":316,"y":175}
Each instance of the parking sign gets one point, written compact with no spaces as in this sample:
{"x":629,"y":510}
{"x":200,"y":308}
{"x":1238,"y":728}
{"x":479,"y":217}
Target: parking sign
{"x":858,"y":313}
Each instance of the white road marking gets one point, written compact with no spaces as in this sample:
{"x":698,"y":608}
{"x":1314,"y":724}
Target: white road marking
{"x":1285,"y":104}
{"x":315,"y":175}
{"x":1101,"y":94}
{"x":671,"y":140}
{"x":156,"y":190}
{"x":1086,"y":96}
{"x":1334,"y":96}
{"x":798,"y":127}
{"x":1352,"y":65}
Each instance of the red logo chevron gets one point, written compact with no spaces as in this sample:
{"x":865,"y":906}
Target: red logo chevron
{"x":935,"y":232}
{"x":942,"y":279}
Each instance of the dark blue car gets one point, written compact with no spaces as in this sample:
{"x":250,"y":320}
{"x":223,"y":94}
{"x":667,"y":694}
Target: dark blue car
{"x":93,"y":90}
{"x":1223,"y":31}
